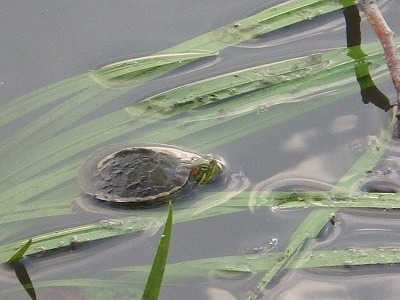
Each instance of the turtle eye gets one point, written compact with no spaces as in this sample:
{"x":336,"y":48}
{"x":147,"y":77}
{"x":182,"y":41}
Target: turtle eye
{"x":204,"y":168}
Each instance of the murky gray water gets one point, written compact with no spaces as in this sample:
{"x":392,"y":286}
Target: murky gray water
{"x":42,"y":43}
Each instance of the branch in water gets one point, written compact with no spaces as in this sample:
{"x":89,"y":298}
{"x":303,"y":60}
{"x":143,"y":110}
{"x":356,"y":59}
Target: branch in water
{"x":385,"y":35}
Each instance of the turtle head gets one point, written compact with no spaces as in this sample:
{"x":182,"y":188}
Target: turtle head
{"x":205,"y":169}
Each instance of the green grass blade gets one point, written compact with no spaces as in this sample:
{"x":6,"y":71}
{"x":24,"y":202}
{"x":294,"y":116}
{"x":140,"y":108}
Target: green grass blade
{"x":156,"y":275}
{"x":20,"y":253}
{"x":42,"y":97}
{"x":77,"y":235}
{"x":231,"y":85}
{"x":282,"y":200}
{"x":139,"y":70}
{"x":301,"y":239}
{"x":271,"y":19}
{"x":233,"y":267}
{"x":54,"y":121}
{"x":262,"y":262}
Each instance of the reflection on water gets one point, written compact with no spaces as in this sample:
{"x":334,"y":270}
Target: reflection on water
{"x":24,"y":279}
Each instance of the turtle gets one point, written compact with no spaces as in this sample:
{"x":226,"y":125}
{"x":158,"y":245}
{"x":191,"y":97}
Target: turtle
{"x":144,"y":173}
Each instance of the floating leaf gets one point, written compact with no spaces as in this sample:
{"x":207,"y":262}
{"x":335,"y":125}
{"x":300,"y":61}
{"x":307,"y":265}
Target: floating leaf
{"x":139,"y":70}
{"x":266,"y":21}
{"x":262,"y":262}
{"x":70,"y":237}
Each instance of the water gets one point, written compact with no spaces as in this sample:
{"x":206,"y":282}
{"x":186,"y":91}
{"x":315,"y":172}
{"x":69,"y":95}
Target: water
{"x":44,"y":43}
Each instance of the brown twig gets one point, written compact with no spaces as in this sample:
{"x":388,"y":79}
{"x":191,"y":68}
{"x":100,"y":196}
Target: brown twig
{"x":385,"y":35}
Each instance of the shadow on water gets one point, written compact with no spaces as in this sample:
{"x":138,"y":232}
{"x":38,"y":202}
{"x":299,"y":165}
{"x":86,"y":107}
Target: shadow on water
{"x":369,"y":91}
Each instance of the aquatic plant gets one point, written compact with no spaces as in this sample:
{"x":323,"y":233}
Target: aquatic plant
{"x":40,"y":161}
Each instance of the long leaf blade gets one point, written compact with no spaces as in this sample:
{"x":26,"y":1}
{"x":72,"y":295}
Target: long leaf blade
{"x":154,"y":281}
{"x":20,"y":253}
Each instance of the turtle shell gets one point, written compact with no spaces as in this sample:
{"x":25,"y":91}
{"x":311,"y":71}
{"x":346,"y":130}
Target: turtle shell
{"x":135,"y":174}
